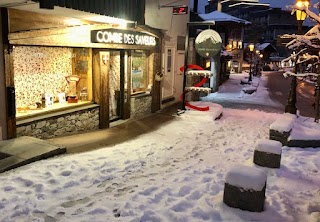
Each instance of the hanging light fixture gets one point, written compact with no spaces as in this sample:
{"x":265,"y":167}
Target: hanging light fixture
{"x":300,"y":14}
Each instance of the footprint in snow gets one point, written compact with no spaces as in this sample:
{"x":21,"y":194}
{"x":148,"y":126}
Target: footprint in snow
{"x":148,"y":191}
{"x":75,"y":202}
{"x":185,"y":190}
{"x":229,"y":150}
{"x":66,"y":173}
{"x":182,"y":206}
{"x":124,"y":190}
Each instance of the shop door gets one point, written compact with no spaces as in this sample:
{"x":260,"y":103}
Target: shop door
{"x":178,"y":76}
{"x":115,"y":104}
{"x":168,"y":78}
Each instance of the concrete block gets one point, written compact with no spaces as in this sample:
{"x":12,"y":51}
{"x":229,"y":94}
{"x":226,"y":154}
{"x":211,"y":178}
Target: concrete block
{"x":245,"y":188}
{"x":267,"y":153}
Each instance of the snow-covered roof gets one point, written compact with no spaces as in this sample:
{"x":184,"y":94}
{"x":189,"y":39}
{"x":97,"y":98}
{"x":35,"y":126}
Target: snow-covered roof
{"x":222,"y":17}
{"x":263,"y":46}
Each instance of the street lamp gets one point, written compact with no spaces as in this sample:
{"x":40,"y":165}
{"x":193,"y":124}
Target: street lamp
{"x":301,"y":16}
{"x":251,"y":48}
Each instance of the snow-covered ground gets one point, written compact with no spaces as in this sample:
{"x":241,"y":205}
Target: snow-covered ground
{"x":232,"y":91}
{"x":175,"y":173}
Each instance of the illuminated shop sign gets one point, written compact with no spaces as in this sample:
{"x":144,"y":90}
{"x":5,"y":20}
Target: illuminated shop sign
{"x":114,"y":36}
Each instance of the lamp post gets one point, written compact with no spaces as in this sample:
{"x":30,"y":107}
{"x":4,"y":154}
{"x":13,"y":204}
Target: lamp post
{"x":251,"y":48}
{"x":292,"y":100}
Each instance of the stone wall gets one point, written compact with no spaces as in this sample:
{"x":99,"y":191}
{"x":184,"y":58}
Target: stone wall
{"x":141,"y":106}
{"x":69,"y":123}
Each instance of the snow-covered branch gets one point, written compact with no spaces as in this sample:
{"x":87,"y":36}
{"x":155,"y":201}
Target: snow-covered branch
{"x":306,"y":58}
{"x":312,"y":37}
{"x":307,"y":39}
{"x":293,"y":56}
{"x":289,"y":73}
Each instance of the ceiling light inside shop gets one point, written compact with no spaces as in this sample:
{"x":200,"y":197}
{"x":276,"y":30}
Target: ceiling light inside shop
{"x":121,"y":23}
{"x":72,"y":22}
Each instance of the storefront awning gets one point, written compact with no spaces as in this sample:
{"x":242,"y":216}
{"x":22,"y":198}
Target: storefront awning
{"x":78,"y":16}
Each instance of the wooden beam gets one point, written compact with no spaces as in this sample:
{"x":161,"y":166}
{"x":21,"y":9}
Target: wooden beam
{"x":56,"y":31}
{"x":9,"y":76}
{"x":104,"y":89}
{"x":127,"y":100}
{"x":156,"y":98}
{"x":122,"y":82}
{"x":72,"y":43}
{"x":21,"y":20}
{"x":96,"y":75}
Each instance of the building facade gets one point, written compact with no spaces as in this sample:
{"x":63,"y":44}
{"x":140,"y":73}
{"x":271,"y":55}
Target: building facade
{"x":267,"y":23}
{"x":160,"y":15}
{"x":63,"y":75}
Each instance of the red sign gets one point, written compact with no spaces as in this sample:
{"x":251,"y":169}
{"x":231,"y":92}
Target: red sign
{"x":180,"y":10}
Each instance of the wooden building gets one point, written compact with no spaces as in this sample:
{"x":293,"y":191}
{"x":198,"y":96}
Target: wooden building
{"x":69,"y":74}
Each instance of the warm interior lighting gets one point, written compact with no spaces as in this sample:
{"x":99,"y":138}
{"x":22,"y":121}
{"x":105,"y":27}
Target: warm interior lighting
{"x":72,"y":22}
{"x":257,"y":51}
{"x":229,"y":64}
{"x":121,"y":23}
{"x":251,"y":47}
{"x":261,"y":56}
{"x":208,"y":64}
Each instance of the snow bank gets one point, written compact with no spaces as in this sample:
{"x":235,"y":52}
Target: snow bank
{"x":246,"y":177}
{"x":284,"y":123}
{"x":305,"y":132}
{"x":215,"y":109}
{"x":249,"y":89}
{"x":269,"y":146}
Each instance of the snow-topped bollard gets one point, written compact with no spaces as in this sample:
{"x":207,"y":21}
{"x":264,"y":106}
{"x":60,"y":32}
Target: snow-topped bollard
{"x":281,"y":128}
{"x":245,"y":188}
{"x":267,"y":153}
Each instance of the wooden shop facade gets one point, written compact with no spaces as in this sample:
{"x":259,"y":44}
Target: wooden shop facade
{"x":64,"y":76}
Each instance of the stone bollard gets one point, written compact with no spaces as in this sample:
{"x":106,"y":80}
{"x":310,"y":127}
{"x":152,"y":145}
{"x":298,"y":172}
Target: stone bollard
{"x":267,"y":153}
{"x":245,"y":188}
{"x":281,"y":128}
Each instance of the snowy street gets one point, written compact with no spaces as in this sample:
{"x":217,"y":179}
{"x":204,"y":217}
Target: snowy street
{"x":175,"y":173}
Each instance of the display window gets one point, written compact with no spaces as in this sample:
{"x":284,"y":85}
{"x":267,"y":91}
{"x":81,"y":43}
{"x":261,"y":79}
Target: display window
{"x":139,"y":72}
{"x":51,"y":78}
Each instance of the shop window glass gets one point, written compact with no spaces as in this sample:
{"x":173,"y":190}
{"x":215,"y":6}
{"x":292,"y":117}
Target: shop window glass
{"x":169,"y":58}
{"x":51,"y":78}
{"x":139,"y":72}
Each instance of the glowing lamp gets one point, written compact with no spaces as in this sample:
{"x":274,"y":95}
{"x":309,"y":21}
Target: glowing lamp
{"x":251,"y":47}
{"x":301,"y":15}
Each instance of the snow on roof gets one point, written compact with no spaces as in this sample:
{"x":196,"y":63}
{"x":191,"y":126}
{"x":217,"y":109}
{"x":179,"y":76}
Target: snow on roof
{"x":263,"y":46}
{"x":269,"y":146}
{"x":246,"y":177}
{"x":222,"y":17}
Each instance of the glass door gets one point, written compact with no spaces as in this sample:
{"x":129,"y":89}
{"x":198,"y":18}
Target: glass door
{"x":168,"y":78}
{"x":115,"y":86}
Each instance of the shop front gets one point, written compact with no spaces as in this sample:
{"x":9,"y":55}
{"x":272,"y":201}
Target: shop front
{"x":78,"y":78}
